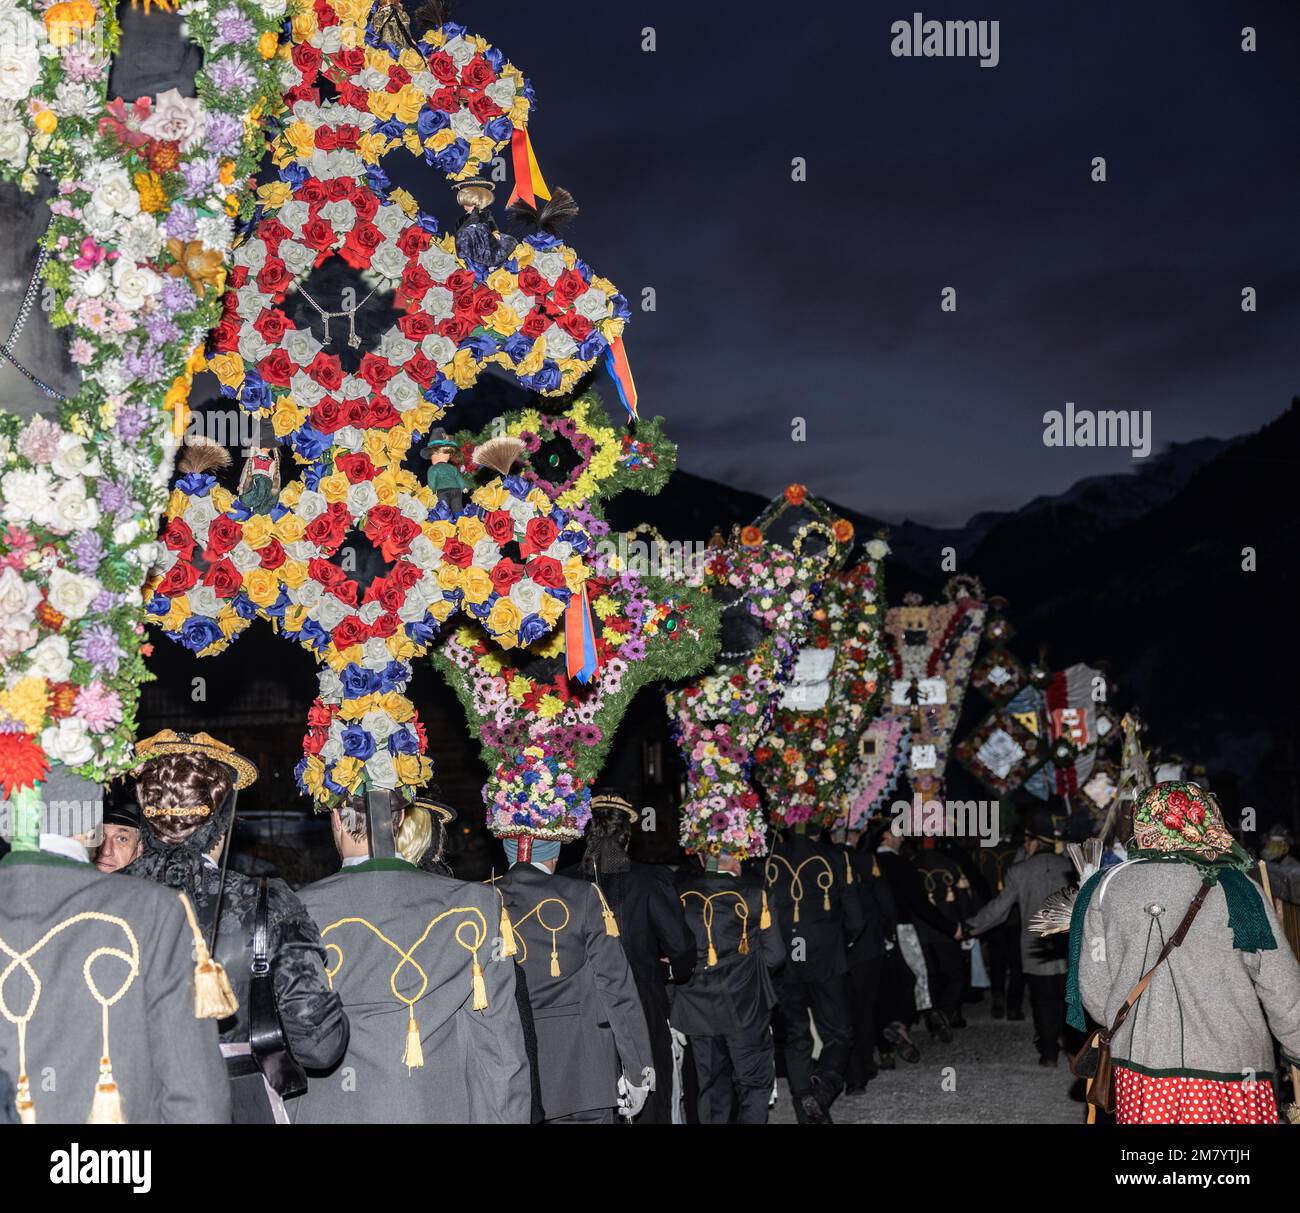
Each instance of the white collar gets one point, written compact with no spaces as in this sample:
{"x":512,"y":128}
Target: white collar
{"x":69,"y":848}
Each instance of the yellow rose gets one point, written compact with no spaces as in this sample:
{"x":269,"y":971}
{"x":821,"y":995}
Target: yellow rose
{"x":492,"y":496}
{"x":178,"y":613}
{"x":176,"y":504}
{"x":222,"y":498}
{"x":262,"y":586}
{"x":268,"y":44}
{"x":551,"y":610}
{"x":301,"y":136}
{"x":303,"y":25}
{"x":409,"y":103}
{"x":379,"y":59}
{"x":334,"y":487}
{"x":441,"y":610}
{"x":519,"y":110}
{"x":229,"y":622}
{"x":505,"y":320}
{"x":397,"y":706}
{"x":354,"y":709}
{"x":422,"y":416}
{"x":406,"y":201}
{"x":228,"y":368}
{"x":439,"y":531}
{"x":575,"y":573}
{"x":502,"y":281}
{"x":347,"y":772}
{"x":402,"y":647}
{"x":440,"y":139}
{"x":376,"y":446}
{"x":448,"y":577}
{"x":523,"y":255}
{"x":539,"y":501}
{"x":529,"y":365}
{"x":294,"y":618}
{"x":290,"y":529}
{"x":464,"y":369}
{"x":399,"y":442}
{"x":293,"y":573}
{"x":46,"y":121}
{"x":313,"y":776}
{"x":409,"y":768}
{"x":481,"y":149}
{"x":476,"y":584}
{"x":503,"y":622}
{"x":287,"y":416}
{"x":257,"y":531}
{"x":470,"y":529}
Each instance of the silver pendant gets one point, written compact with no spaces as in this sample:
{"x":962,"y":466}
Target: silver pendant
{"x":354,"y":341}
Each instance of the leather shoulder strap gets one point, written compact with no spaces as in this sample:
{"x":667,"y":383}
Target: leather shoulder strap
{"x":261,"y":931}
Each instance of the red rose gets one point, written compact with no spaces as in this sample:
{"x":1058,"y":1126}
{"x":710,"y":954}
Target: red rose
{"x":224,"y":578}
{"x":397,"y":540}
{"x":380,"y":518}
{"x":531,"y":282}
{"x":349,"y":631}
{"x":385,"y":625}
{"x":272,"y":555}
{"x":323,"y":532}
{"x":459,"y":280}
{"x":505,"y":574}
{"x":1196,"y":813}
{"x":535,"y":323}
{"x":416,"y":280}
{"x":311,"y":191}
{"x":569,"y":286}
{"x":182,"y":576}
{"x":326,"y":139}
{"x":376,"y":370}
{"x":1178,"y":801}
{"x":277,"y":368}
{"x":455,"y":328}
{"x":445,"y":98}
{"x":360,"y":245}
{"x":477,"y":74}
{"x":223,"y":534}
{"x":272,"y":277}
{"x":457,"y":552}
{"x":352,"y":60}
{"x":348,"y":137}
{"x":306,"y":58}
{"x":539,"y":534}
{"x":443,"y":67}
{"x":225,"y":337}
{"x":356,"y":412}
{"x":415,"y":326}
{"x":319,"y":715}
{"x":398,"y":76}
{"x":380,"y":415}
{"x":484,"y":303}
{"x":356,"y":467}
{"x":272,"y":324}
{"x":337,"y":189}
{"x":329,"y":415}
{"x":484,"y":108}
{"x":318,"y":234}
{"x":404,"y":574}
{"x":547,"y":572}
{"x":421,"y":368}
{"x":314,"y":742}
{"x":271,"y":232}
{"x":367,"y":203}
{"x":1173,"y":821}
{"x":325,"y":369}
{"x":352,"y":95}
{"x":578,"y":327}
{"x":499,"y":525}
{"x":389,"y":596}
{"x":179,"y":538}
{"x":414,"y":240}
{"x":238,"y":277}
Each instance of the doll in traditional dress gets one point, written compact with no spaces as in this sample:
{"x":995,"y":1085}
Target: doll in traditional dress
{"x":478,"y":240}
{"x":259,"y":484}
{"x":444,"y":477}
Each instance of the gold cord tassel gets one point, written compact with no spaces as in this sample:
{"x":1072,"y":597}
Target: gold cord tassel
{"x":23,"y":1104}
{"x":875,"y":867}
{"x":106,"y":1107}
{"x":950,"y":896}
{"x":508,"y":945}
{"x":826,"y":900}
{"x":213,"y":996}
{"x":848,"y":869}
{"x":744,"y":942}
{"x":713,"y":955}
{"x":555,"y":960}
{"x":764,"y":919}
{"x":611,"y":926}
{"x":413,"y":1056}
{"x":796,"y":913}
{"x":480,"y":988}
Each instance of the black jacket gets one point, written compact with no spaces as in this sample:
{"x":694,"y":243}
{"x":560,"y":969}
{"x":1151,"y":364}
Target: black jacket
{"x":911,"y":901}
{"x":880,"y":919}
{"x":733,"y":993}
{"x":819,"y":912}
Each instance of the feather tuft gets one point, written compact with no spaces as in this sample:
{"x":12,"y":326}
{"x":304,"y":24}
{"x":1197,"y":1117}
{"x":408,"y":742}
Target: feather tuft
{"x":499,"y":453}
{"x":557,"y":211}
{"x":202,"y":455}
{"x":431,"y":15}
{"x":1055,"y":915}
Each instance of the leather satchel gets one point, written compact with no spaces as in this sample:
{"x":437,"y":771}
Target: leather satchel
{"x":1093,"y":1061}
{"x":265,"y":1031}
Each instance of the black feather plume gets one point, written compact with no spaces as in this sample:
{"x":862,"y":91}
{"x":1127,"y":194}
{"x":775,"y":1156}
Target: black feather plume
{"x":430,"y":15}
{"x":553,"y":215}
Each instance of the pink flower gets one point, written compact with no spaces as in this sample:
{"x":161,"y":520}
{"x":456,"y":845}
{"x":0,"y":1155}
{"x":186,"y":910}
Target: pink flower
{"x":98,"y":706}
{"x":81,"y":352}
{"x":39,"y":441}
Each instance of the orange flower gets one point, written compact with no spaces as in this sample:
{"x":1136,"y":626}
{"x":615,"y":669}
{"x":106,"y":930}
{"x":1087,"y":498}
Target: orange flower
{"x":153,"y":198}
{"x":842,"y":530}
{"x":201,"y":266}
{"x":163,"y":157}
{"x":22,"y":762}
{"x":62,"y":21}
{"x":751,"y":536}
{"x":63,"y":695}
{"x":795,"y":494}
{"x":49,"y":616}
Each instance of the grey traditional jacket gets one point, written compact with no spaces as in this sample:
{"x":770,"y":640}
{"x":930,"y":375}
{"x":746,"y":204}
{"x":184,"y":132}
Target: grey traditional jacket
{"x":729,"y":991}
{"x":588,"y":1015}
{"x":1027,"y":884}
{"x":401,"y":945}
{"x":165,"y":1063}
{"x":1204,"y":1013}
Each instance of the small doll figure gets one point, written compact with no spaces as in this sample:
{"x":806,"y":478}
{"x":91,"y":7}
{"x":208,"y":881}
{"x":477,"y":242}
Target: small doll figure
{"x":259,"y":483}
{"x":478,"y":241}
{"x":444,"y":477}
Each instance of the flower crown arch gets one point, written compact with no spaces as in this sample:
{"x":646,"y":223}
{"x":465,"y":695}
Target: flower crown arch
{"x":133,"y":260}
{"x":720,"y":718}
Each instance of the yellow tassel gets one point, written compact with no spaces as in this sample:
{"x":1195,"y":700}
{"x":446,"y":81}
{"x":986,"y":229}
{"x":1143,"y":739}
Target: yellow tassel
{"x":950,"y":896}
{"x":555,"y":963}
{"x":611,"y":925}
{"x":764,"y":919}
{"x":23,"y":1103}
{"x":480,"y":988}
{"x":106,"y":1107}
{"x":713,"y":955}
{"x":213,"y":996}
{"x":875,"y":867}
{"x":508,"y":946}
{"x":744,"y":945}
{"x":796,"y":913}
{"x":413,"y":1056}
{"x":826,"y":900}
{"x":848,"y":869}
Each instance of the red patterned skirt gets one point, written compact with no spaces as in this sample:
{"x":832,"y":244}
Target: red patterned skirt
{"x":1141,"y":1099}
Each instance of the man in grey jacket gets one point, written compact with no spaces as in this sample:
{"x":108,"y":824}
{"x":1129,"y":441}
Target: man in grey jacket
{"x":593,"y":1046}
{"x":1028,"y":884}
{"x":110,"y":1039}
{"x":416,"y":958}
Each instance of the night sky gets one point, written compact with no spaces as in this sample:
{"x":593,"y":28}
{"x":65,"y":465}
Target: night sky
{"x":820,"y":299}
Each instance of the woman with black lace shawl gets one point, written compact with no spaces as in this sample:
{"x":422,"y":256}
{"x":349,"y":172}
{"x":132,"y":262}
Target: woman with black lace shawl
{"x":186,"y":785}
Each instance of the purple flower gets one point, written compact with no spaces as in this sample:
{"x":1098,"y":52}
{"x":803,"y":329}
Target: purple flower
{"x":161,"y":327}
{"x":112,"y":494}
{"x":225,"y":133}
{"x":145,"y":362}
{"x":99,"y":646}
{"x":633,"y":650}
{"x":200,"y":175}
{"x":132,"y":421}
{"x":230,"y":75}
{"x":233,"y":27}
{"x":176,"y":295}
{"x":104,"y":602}
{"x":181,"y":222}
{"x":87,"y":551}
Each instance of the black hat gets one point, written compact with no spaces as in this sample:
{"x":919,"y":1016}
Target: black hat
{"x":120,"y":807}
{"x":438,"y":438}
{"x":1045,"y":825}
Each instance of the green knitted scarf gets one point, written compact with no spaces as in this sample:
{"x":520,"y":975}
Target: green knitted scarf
{"x":1250,"y":927}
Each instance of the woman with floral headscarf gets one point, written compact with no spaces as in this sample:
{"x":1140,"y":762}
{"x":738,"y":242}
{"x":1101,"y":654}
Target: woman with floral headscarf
{"x":1196,"y":1046}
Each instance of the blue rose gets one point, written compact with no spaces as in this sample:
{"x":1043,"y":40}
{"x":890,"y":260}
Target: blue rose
{"x":452,"y":158}
{"x":428,"y":223}
{"x":198,"y":631}
{"x":358,"y":681}
{"x":532,"y":627}
{"x":196,"y":484}
{"x":517,"y":486}
{"x":357,"y":743}
{"x":481,"y":610}
{"x":295,"y":174}
{"x":394,"y":676}
{"x":377,"y":179}
{"x":591,"y":346}
{"x":422,"y":631}
{"x":546,"y":379}
{"x":313,"y":634}
{"x":517,"y":347}
{"x":494,"y":59}
{"x":310,"y":443}
{"x":441,"y":391}
{"x":255,"y":393}
{"x":403,"y":741}
{"x":430,"y":122}
{"x":499,"y":129}
{"x":244,"y":606}
{"x":159,"y":604}
{"x":482,"y":345}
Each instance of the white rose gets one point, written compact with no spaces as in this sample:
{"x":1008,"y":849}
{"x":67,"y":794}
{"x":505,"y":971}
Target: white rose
{"x":461,"y":50}
{"x":486,"y":553}
{"x":527,"y":596}
{"x":199,"y":512}
{"x":329,"y":612}
{"x":302,"y":347}
{"x":51,"y":659}
{"x":594,"y":305}
{"x":380,"y":770}
{"x":502,"y":92}
{"x":71,"y":594}
{"x":311,"y":505}
{"x":330,"y":685}
{"x":24,"y":493}
{"x":252,"y":255}
{"x":332,"y":750}
{"x":306,"y":391}
{"x":349,"y":438}
{"x":68,"y":741}
{"x":72,"y":510}
{"x":176,"y":119}
{"x":379,"y":725}
{"x":203,"y":600}
{"x":368,"y":612}
{"x":308,"y":594}
{"x":355,"y":388}
{"x":341,"y":215}
{"x":440,"y":263}
{"x":74,"y":458}
{"x":13,"y":144}
{"x":403,"y":392}
{"x":412,"y":507}
{"x":877,"y":549}
{"x":297,"y":258}
{"x":124,"y":532}
{"x":20,"y":64}
{"x":413,"y":606}
{"x":422,"y":553}
{"x":390,"y":220}
{"x":395,"y":346}
{"x":440,"y":303}
{"x":115,"y":192}
{"x":244,"y":558}
{"x":253,"y":347}
{"x":389,"y":260}
{"x":559,"y":345}
{"x":375,"y":653}
{"x":361,"y":497}
{"x":18,"y":598}
{"x":549,"y":264}
{"x":134,"y":285}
